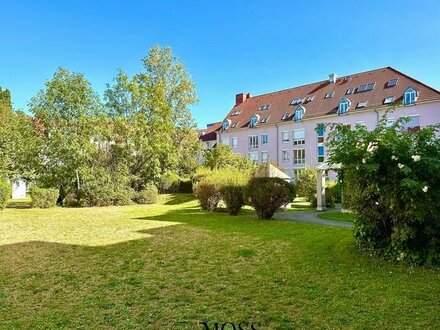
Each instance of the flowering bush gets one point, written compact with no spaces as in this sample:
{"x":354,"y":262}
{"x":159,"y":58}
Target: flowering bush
{"x":393,"y":176}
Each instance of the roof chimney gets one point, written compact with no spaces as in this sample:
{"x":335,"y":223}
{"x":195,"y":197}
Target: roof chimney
{"x":332,"y":78}
{"x":240,"y":98}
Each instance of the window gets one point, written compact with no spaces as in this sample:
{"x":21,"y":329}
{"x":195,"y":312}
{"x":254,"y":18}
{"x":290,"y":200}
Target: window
{"x":264,"y":139}
{"x":285,"y":155}
{"x":254,"y":120}
{"x":410,"y":96}
{"x":299,"y":113}
{"x":297,"y":101}
{"x":234,"y":142}
{"x":366,"y":87}
{"x":226,"y":124}
{"x":253,"y":156}
{"x":310,"y":98}
{"x":413,"y":124}
{"x":236,"y":113}
{"x":350,"y":91}
{"x":343,"y":106}
{"x":264,"y":107}
{"x":285,"y":136}
{"x":264,"y":120}
{"x":320,"y":154}
{"x":225,"y":141}
{"x":264,"y":156}
{"x":299,"y":137}
{"x":362,"y":104}
{"x":234,"y":124}
{"x":392,"y":82}
{"x":320,"y":134}
{"x":253,"y":141}
{"x":299,"y":156}
{"x":285,"y":116}
{"x":388,"y":100}
{"x":329,"y":95}
{"x":297,"y":172}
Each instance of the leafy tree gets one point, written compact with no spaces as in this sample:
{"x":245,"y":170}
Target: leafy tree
{"x":222,"y":157}
{"x":154,"y":130}
{"x":68,"y":110}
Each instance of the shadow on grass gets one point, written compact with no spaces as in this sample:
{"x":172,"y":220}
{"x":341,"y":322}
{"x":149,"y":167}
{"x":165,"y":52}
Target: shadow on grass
{"x":19,"y":205}
{"x":180,"y":199}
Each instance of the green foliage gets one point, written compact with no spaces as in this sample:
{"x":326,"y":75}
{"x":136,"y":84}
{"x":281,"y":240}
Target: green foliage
{"x":392,"y":175}
{"x":267,"y":195}
{"x":43,"y":197}
{"x":208,"y":195}
{"x":336,"y":191}
{"x":186,"y":186}
{"x":169,"y":183}
{"x":148,"y":195}
{"x":222,"y":157}
{"x":232,"y":195}
{"x":306,"y":184}
{"x":5,"y":194}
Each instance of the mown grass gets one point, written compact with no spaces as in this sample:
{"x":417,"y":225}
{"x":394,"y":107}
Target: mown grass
{"x":337,"y":216}
{"x":212,"y":267}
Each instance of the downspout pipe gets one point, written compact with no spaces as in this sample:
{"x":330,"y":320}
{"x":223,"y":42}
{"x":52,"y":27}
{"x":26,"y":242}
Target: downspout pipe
{"x":276,"y":125}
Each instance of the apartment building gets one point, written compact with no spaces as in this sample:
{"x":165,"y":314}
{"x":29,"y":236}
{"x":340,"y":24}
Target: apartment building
{"x":282,"y":126}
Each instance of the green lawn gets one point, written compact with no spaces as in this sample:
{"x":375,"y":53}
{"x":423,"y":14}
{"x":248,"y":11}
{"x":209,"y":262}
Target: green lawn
{"x":337,"y":216}
{"x":139,"y":269}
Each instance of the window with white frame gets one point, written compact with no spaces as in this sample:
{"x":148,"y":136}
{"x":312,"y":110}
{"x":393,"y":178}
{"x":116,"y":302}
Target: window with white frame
{"x":297,"y":172}
{"x":413,"y":124}
{"x":264,"y":156}
{"x":234,"y":142}
{"x":299,"y":137}
{"x":253,"y":156}
{"x":264,"y":139}
{"x":299,"y":156}
{"x":253,"y":141}
{"x":343,"y":106}
{"x":299,"y":113}
{"x":225,"y":141}
{"x":410,"y":96}
{"x":285,"y":136}
{"x":285,"y":155}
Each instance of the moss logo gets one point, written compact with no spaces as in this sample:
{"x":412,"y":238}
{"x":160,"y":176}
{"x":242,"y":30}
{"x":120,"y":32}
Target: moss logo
{"x":230,"y":326}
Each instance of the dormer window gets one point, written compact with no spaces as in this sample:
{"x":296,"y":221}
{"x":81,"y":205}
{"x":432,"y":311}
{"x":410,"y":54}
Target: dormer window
{"x":285,"y":116}
{"x":254,"y":120}
{"x":226,"y":124}
{"x":297,"y":101}
{"x":329,"y":95}
{"x":264,"y":107}
{"x":299,"y":113}
{"x":410,"y":96}
{"x":343,"y":106}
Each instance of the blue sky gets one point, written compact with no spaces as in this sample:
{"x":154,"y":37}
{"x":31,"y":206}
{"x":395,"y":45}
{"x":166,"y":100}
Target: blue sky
{"x":227,"y":46}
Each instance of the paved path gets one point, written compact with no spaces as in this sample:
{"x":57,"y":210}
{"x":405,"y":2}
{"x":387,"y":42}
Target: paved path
{"x":310,"y":217}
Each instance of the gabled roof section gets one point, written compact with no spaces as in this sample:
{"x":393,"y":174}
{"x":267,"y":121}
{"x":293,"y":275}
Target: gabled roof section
{"x":280,"y":101}
{"x":210,"y":132}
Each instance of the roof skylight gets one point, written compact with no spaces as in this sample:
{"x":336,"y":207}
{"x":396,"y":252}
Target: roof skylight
{"x":388,"y":100}
{"x":264,"y":107}
{"x":329,"y":95}
{"x":366,"y":87}
{"x":362,"y":104}
{"x":392,"y":82}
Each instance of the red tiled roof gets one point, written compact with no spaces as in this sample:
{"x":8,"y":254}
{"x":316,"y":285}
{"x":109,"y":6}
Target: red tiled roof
{"x":320,"y":106}
{"x":210,"y":133}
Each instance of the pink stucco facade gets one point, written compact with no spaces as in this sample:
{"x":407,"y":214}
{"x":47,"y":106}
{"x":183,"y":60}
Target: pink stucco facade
{"x":428,"y":113}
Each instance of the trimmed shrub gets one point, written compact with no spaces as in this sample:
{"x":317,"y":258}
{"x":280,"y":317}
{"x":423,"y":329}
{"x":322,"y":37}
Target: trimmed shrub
{"x":336,"y":191}
{"x":233,"y":198}
{"x":43,"y":198}
{"x":5,"y":194}
{"x":186,"y":186}
{"x":267,"y":195}
{"x":169,"y":183}
{"x":148,"y":195}
{"x":208,"y":195}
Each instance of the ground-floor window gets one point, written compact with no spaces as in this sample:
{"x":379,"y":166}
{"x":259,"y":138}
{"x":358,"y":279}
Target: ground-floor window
{"x":299,"y":156}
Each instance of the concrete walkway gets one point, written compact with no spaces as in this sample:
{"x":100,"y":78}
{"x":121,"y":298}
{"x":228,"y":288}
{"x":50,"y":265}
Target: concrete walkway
{"x":310,"y":217}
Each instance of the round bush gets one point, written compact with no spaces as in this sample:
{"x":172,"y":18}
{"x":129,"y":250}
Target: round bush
{"x":233,"y":198}
{"x":208,"y":195}
{"x":5,"y":194}
{"x":44,"y":198}
{"x":186,"y":186}
{"x":148,"y":195}
{"x":169,"y":183}
{"x":267,"y":195}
